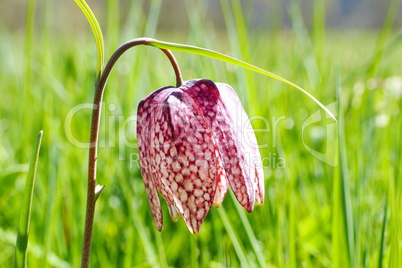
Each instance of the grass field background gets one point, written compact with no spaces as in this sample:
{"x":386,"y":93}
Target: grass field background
{"x":344,"y":211}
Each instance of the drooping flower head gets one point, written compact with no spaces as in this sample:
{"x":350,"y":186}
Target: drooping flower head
{"x":193,"y":142}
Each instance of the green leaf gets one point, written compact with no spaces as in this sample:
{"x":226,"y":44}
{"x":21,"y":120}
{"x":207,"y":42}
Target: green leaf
{"x":98,"y":190}
{"x":93,"y":22}
{"x":23,"y":228}
{"x":228,"y":59}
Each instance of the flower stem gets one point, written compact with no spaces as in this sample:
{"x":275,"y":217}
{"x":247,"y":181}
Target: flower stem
{"x":93,"y":149}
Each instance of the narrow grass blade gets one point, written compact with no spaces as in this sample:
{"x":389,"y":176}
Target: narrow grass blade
{"x":28,"y":62}
{"x":237,"y":32}
{"x":346,"y":209}
{"x":161,"y":249}
{"x":113,"y":18}
{"x":395,"y":221}
{"x":395,"y":252}
{"x":228,"y":59}
{"x":93,"y":22}
{"x":292,"y":226}
{"x":236,"y":244}
{"x":343,"y":230}
{"x":255,"y":244}
{"x":193,"y":251}
{"x":384,"y":36}
{"x":23,"y":229}
{"x":29,"y":35}
{"x":319,"y":8}
{"x":381,"y":247}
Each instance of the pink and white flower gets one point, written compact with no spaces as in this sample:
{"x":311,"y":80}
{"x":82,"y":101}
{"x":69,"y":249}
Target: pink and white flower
{"x":193,"y":142}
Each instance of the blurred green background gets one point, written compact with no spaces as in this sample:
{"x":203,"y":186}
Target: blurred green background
{"x":333,"y":191}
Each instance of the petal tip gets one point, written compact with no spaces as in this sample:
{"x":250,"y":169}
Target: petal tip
{"x":249,"y":207}
{"x":174,"y":215}
{"x":159,"y":225}
{"x":217,"y":205}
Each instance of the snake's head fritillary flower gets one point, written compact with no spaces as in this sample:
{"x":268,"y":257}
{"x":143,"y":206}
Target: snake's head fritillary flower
{"x":193,"y":142}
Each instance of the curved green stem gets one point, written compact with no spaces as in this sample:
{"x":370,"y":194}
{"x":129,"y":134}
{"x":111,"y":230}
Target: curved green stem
{"x":129,"y":44}
{"x":228,"y":59}
{"x":93,"y":150}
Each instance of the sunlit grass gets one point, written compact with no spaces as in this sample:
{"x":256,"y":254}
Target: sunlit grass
{"x":314,"y":214}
